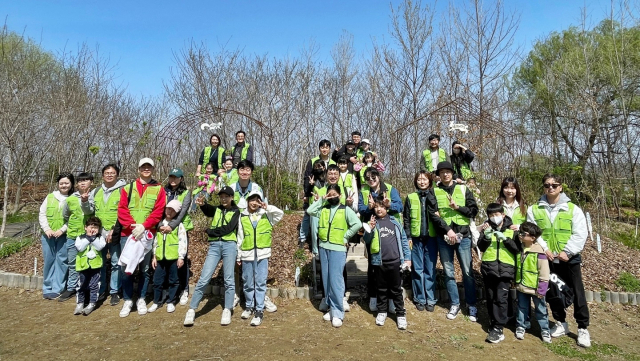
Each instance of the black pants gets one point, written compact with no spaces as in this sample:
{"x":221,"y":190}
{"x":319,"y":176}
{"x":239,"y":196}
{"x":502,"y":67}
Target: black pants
{"x":497,"y":289}
{"x":389,"y":286}
{"x":571,"y":274}
{"x":89,"y":284}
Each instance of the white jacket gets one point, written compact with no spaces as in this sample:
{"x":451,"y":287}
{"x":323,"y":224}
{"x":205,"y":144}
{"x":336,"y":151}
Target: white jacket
{"x":274,"y":215}
{"x":134,"y":251}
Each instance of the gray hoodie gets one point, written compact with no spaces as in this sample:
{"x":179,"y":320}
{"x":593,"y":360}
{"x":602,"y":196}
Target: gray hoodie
{"x":106,"y":193}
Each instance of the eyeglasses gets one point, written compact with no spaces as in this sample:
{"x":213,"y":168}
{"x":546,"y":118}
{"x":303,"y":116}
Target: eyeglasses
{"x":108,"y":173}
{"x":552,"y":185}
{"x":523,"y":234}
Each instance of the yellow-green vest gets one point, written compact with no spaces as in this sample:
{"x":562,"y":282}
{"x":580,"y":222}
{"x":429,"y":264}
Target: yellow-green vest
{"x":527,"y":271}
{"x":426,"y":154}
{"x":77,"y":218}
{"x":466,"y":171}
{"x":141,"y":207}
{"x":258,"y":237}
{"x":365,"y":199}
{"x":416,"y":216}
{"x":212,"y":178}
{"x":499,"y":253}
{"x":313,"y":160}
{"x":207,"y":155}
{"x":557,"y":234}
{"x":243,"y":153}
{"x":107,"y":211}
{"x":230,"y":178}
{"x":186,"y":221}
{"x":448,"y":214}
{"x":347,"y":182}
{"x":517,"y":217}
{"x":83,"y":262}
{"x":321,"y":192}
{"x":167,"y":246}
{"x":55,"y":217}
{"x":333,"y":230}
{"x":220,"y":220}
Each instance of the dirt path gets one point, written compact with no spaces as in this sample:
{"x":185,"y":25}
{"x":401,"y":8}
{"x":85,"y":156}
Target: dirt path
{"x":32,"y":328}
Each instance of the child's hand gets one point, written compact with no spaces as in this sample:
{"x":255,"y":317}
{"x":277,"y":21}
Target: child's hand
{"x":311,"y":180}
{"x":485,"y":226}
{"x":165,"y":229}
{"x":200,"y":200}
{"x":84,"y":197}
{"x":263,"y":205}
{"x":349,"y":200}
{"x":180,"y":262}
{"x":154,"y":262}
{"x":514,"y":227}
{"x":49,"y":233}
{"x":316,"y":196}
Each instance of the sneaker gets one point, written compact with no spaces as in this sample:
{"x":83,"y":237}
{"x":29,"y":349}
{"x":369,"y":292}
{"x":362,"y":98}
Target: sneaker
{"x":430,"y":308}
{"x":420,"y":307}
{"x":345,"y":304}
{"x":79,"y":308}
{"x":141,"y":305}
{"x":50,"y":296}
{"x":115,"y":299}
{"x":66,"y":295}
{"x":323,"y":305}
{"x":188,"y":319}
{"x":373,"y":304}
{"x":327,"y":316}
{"x":184,"y":298}
{"x":402,"y":323}
{"x":257,"y":319}
{"x":126,"y":308}
{"x":171,"y":308}
{"x":90,"y":307}
{"x":473,"y":314}
{"x":520,"y":333}
{"x":336,"y":322}
{"x":559,"y":329}
{"x":453,"y":312}
{"x":495,"y":336}
{"x":269,"y":306}
{"x":392,"y":307}
{"x":584,"y":339}
{"x":153,"y":307}
{"x":380,"y":318}
{"x":103,"y":296}
{"x":226,"y":317}
{"x":236,"y":301}
{"x":246,"y":313}
{"x":546,"y":336}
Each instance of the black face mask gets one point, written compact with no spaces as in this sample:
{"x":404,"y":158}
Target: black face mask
{"x":318,"y":172}
{"x":333,"y":201}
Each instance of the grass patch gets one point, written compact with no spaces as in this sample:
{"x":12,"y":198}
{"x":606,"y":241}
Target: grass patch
{"x":10,"y":246}
{"x":625,"y":234}
{"x":566,"y":347}
{"x":457,"y":337}
{"x":21,"y":217}
{"x":628,"y":282}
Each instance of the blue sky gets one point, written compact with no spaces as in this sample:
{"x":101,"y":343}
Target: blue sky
{"x":140,"y":38}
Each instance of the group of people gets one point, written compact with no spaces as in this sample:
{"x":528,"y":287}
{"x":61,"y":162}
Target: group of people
{"x":144,"y":225}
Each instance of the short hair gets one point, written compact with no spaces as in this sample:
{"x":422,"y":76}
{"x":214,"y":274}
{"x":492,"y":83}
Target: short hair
{"x":68,"y":176}
{"x":84,"y":176}
{"x":333,"y":167}
{"x":334,"y":187}
{"x":532,"y":229}
{"x":343,"y":160}
{"x":217,"y":136}
{"x":94,"y":221}
{"x":241,"y":131}
{"x":246,"y":163}
{"x":548,"y":176}
{"x":355,"y":132}
{"x":111,"y":165}
{"x":227,"y":159}
{"x":434,"y":136}
{"x":324,"y":142}
{"x":429,"y":176}
{"x":494,"y":208}
{"x":379,"y":200}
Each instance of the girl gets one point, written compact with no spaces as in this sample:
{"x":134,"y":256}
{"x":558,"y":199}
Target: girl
{"x":348,"y":183}
{"x":229,"y":175}
{"x":511,"y":199}
{"x":206,"y":184}
{"x":54,"y":228}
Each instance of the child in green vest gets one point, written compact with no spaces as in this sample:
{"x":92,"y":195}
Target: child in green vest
{"x":498,"y":267}
{"x":169,"y":251}
{"x":88,"y":264}
{"x":228,"y":176}
{"x":532,"y":282}
{"x":254,"y":250}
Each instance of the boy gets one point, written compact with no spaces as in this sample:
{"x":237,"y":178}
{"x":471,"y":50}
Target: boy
{"x":88,"y":264}
{"x":389,"y":250}
{"x":169,"y":251}
{"x":532,"y":281}
{"x":498,"y":267}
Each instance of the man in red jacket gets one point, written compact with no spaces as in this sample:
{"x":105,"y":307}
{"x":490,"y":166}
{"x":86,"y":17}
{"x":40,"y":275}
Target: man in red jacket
{"x":141,"y":208}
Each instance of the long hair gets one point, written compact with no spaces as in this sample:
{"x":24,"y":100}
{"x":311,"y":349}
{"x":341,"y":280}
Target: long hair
{"x":71,"y":179}
{"x":502,"y":198}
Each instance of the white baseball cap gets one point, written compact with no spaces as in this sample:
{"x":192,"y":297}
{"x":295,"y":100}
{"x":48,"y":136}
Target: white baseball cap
{"x":144,"y":161}
{"x":365,"y":141}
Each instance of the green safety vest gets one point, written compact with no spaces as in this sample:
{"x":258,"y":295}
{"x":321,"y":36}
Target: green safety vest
{"x":557,"y":234}
{"x":167,"y":246}
{"x":365,"y":199}
{"x":416,"y":216}
{"x":375,"y":242}
{"x":333,"y":230}
{"x":258,"y":237}
{"x":313,"y":160}
{"x":107,"y":211}
{"x":219,"y":220}
{"x":141,"y":207}
{"x":517,"y":217}
{"x":243,"y":154}
{"x":186,"y":221}
{"x":527,"y":271}
{"x":77,"y":218}
{"x":466,"y":171}
{"x":321,"y":192}
{"x":497,"y":253}
{"x":448,"y":214}
{"x":207,"y":155}
{"x":212,"y":178}
{"x":426,"y":154}
{"x":347,"y":182}
{"x":83,"y":262}
{"x":55,"y":218}
{"x":230,"y":178}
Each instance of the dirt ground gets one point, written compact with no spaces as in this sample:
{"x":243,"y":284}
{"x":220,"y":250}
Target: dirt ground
{"x":32,"y":328}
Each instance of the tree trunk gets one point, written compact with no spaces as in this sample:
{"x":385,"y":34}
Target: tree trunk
{"x":6,"y":200}
{"x":16,"y":203}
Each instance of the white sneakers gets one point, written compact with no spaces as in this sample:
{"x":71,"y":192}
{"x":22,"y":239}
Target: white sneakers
{"x":257,"y":319}
{"x":246,"y":313}
{"x":453,"y":312}
{"x":79,"y":308}
{"x":269,"y":306}
{"x":327,"y":316}
{"x":559,"y":329}
{"x":380,"y":318}
{"x":323,"y":305}
{"x":546,"y":336}
{"x":345,"y":304}
{"x":236,"y":301}
{"x":153,"y":308}
{"x":226,"y":317}
{"x":184,"y":298}
{"x":373,"y":304}
{"x":336,"y":322}
{"x":191,"y":315}
{"x":402,"y":323}
{"x":171,"y":308}
{"x":520,"y":333}
{"x":141,"y":306}
{"x":584,"y":339}
{"x":126,"y":308}
{"x":473,"y":314}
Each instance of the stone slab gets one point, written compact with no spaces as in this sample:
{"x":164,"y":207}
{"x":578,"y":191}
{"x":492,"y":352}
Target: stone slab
{"x":615,"y":298}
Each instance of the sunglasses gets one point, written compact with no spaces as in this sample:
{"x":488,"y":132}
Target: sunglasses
{"x":552,"y":185}
{"x":368,"y":179}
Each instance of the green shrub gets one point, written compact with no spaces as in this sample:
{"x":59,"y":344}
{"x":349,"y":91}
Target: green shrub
{"x":280,"y":186}
{"x":11,"y":247}
{"x":628,"y":282}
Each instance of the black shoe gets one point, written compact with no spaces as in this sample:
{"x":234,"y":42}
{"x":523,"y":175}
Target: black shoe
{"x":103,"y":296}
{"x":495,"y":336}
{"x":66,"y":295}
{"x":430,"y":308}
{"x":115,"y":299}
{"x":419,"y":306}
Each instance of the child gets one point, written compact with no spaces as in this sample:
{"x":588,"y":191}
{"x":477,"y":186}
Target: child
{"x":228,"y":175}
{"x":368,"y":160}
{"x":206,"y":184}
{"x":389,"y":250}
{"x":88,"y":265}
{"x":222,"y":245}
{"x":532,"y":281}
{"x":169,"y":251}
{"x":348,"y":184}
{"x":254,"y":250}
{"x":498,"y":267}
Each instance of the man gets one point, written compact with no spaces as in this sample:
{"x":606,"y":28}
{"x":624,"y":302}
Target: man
{"x":244,"y":186}
{"x":140,"y":209}
{"x":451,"y":211}
{"x":564,"y":233}
{"x":242,"y":150}
{"x":434,"y":155}
{"x":356,"y":136}
{"x":308,"y":181}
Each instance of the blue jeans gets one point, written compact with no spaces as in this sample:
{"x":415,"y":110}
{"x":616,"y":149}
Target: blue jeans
{"x":165,"y":270}
{"x":254,"y":281}
{"x":463,"y":251}
{"x":524,"y":303}
{"x":144,"y":277}
{"x":304,"y":226}
{"x":54,"y":269}
{"x":218,"y":250}
{"x":424,"y":256}
{"x":115,"y":282}
{"x":332,"y":264}
{"x":313,"y":223}
{"x":72,"y":252}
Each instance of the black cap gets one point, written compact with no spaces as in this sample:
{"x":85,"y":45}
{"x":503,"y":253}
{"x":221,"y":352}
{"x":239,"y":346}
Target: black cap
{"x":444,"y":165}
{"x":434,"y":136}
{"x":226,"y":190}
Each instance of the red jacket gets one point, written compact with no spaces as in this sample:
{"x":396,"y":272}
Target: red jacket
{"x":124,"y":216}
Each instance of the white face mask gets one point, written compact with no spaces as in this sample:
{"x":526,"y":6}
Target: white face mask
{"x":496,"y":219}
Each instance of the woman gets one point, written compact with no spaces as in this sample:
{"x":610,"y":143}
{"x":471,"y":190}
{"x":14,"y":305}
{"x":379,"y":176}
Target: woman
{"x":213,"y":154}
{"x":510,"y":197}
{"x":461,"y":159}
{"x":54,"y":227}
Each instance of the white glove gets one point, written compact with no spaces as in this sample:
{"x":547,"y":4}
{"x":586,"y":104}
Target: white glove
{"x":138,"y":231}
{"x":91,"y":254}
